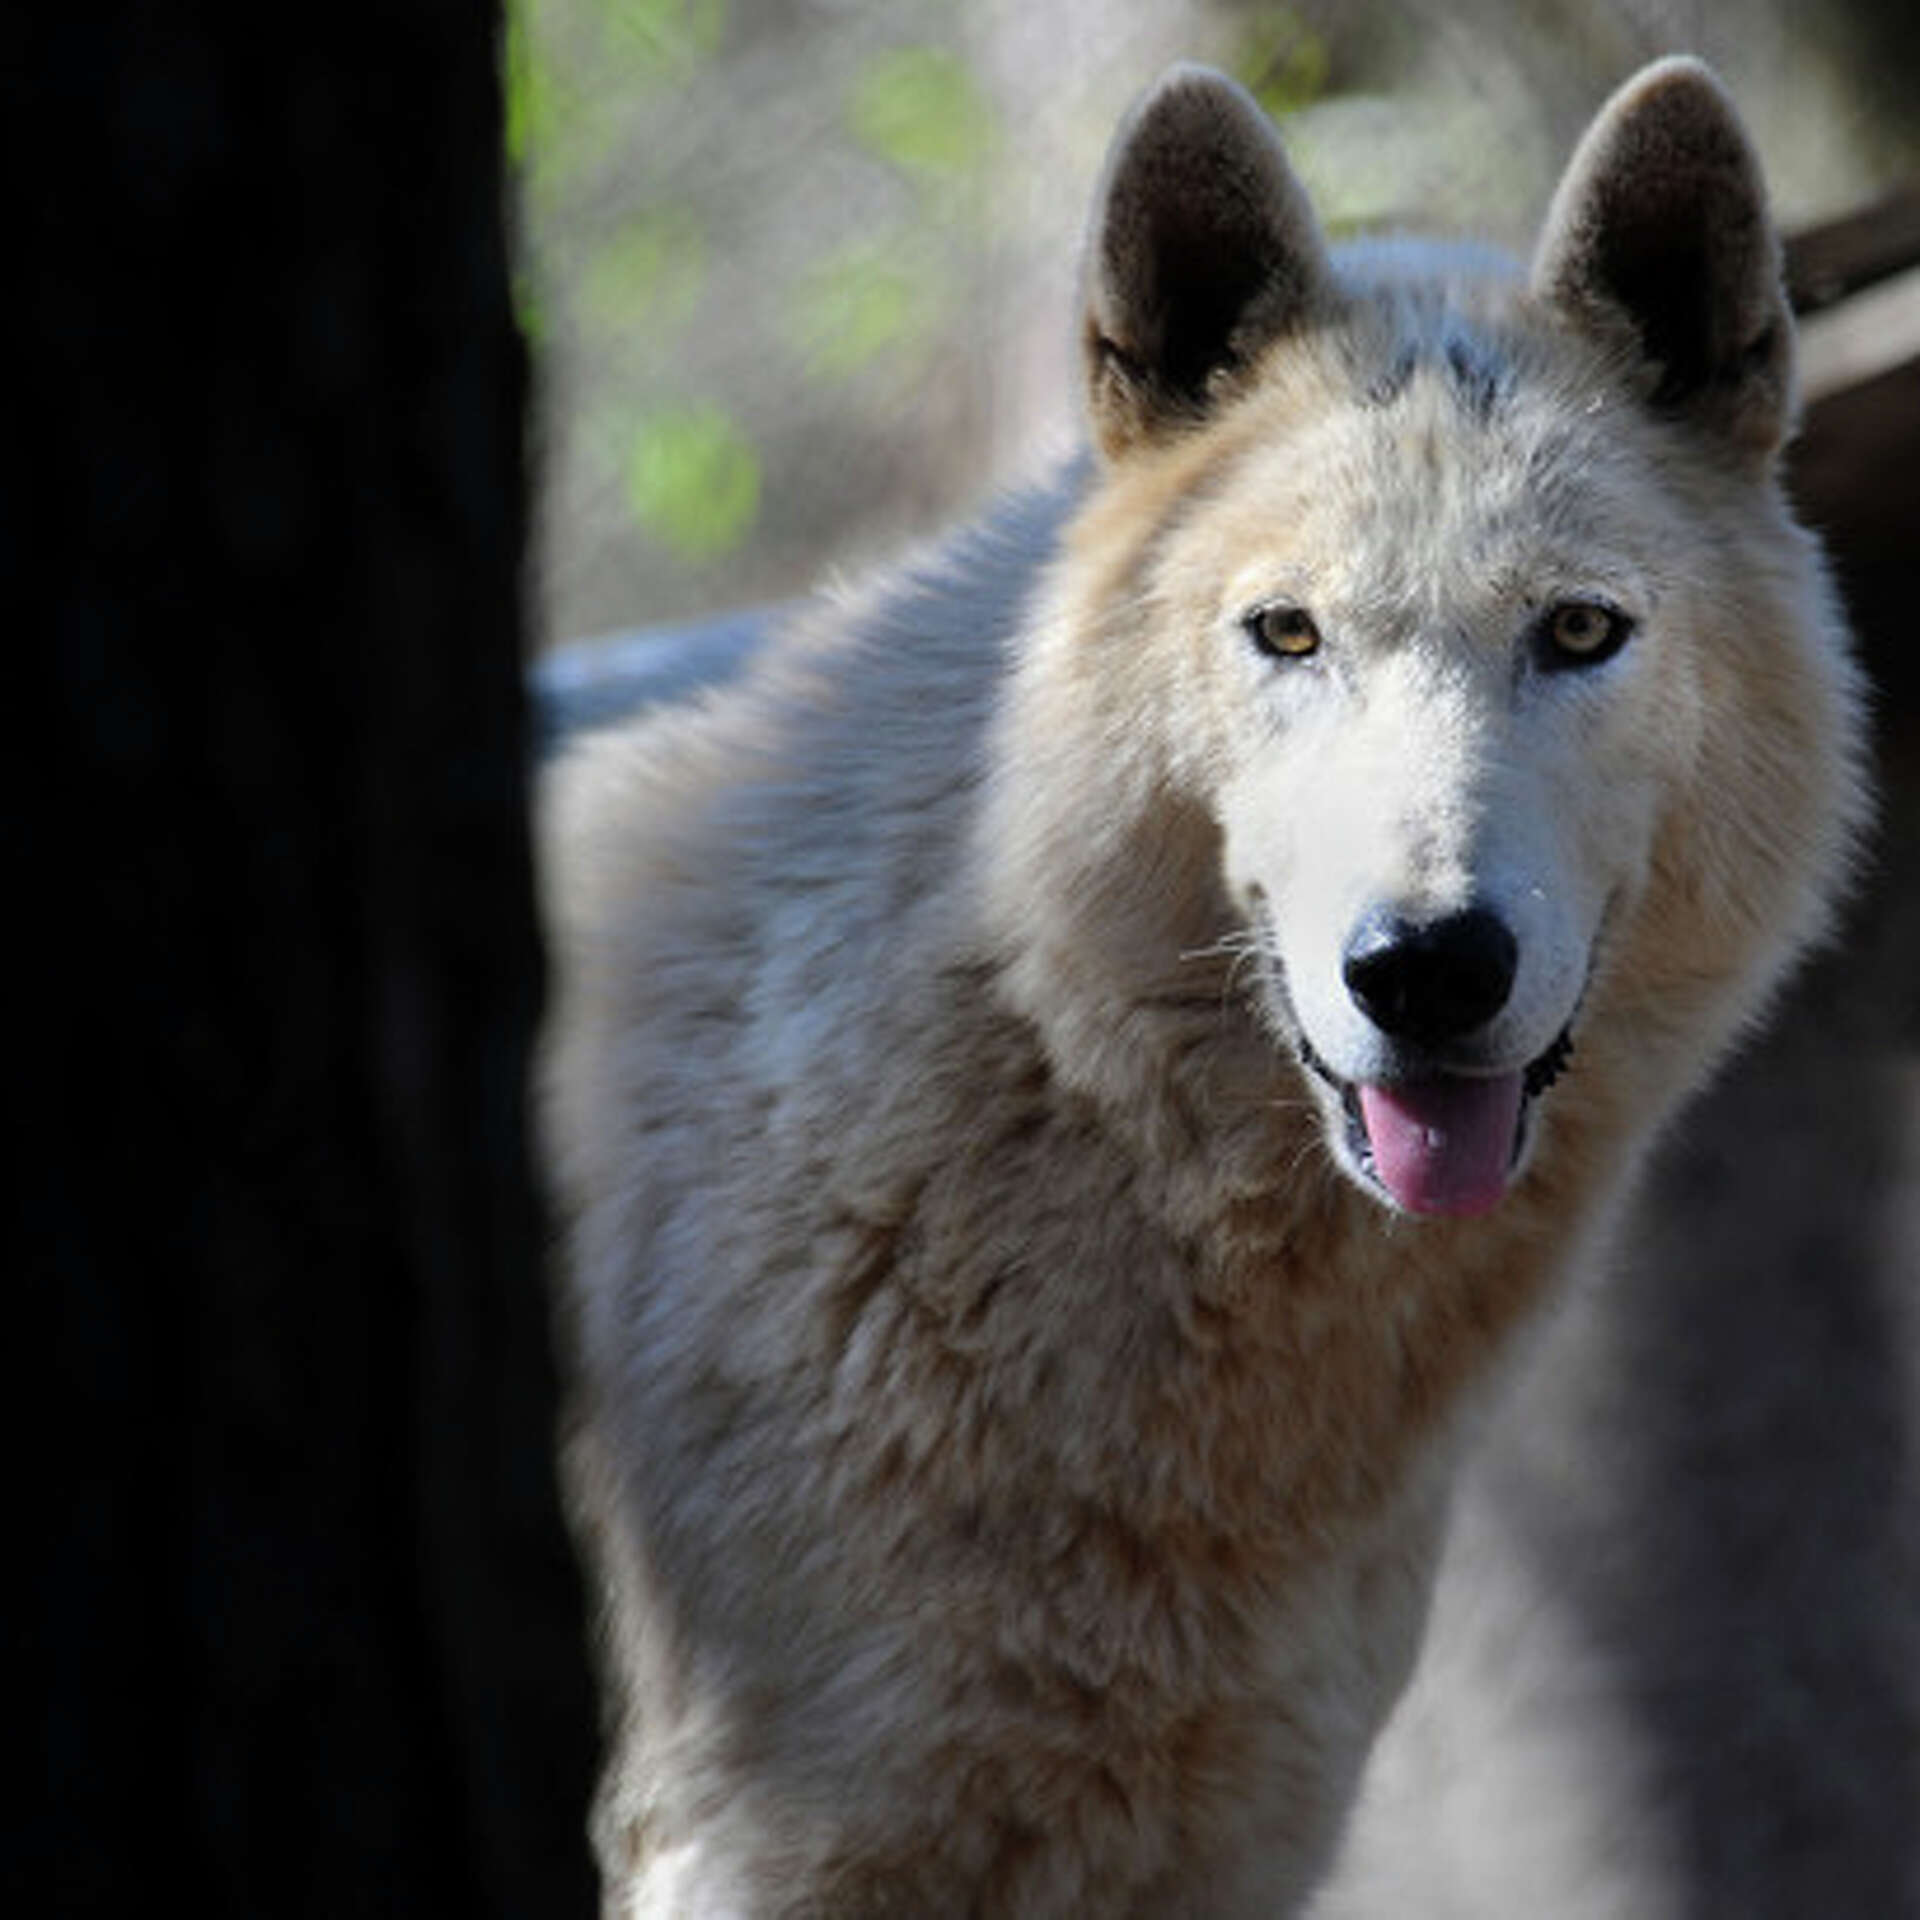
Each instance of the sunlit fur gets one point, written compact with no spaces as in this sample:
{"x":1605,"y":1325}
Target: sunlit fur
{"x":1012,"y":1442}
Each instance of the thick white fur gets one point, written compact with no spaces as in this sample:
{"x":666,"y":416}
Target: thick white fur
{"x":1012,"y":1447}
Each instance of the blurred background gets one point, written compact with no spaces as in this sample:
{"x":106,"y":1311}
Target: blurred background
{"x":798,"y":275}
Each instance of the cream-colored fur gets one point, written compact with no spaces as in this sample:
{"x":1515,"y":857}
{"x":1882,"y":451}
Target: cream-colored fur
{"x":1014,"y":1421}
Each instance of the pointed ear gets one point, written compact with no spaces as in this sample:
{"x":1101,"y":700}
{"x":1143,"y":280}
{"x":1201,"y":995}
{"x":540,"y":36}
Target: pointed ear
{"x":1203,"y":250}
{"x":1660,"y":234}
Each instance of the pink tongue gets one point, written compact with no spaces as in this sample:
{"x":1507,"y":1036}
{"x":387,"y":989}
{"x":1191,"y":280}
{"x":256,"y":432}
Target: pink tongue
{"x":1443,"y":1146}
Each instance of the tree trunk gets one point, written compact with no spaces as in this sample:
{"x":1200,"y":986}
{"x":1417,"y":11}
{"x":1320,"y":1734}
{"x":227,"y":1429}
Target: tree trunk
{"x":301,"y":1626}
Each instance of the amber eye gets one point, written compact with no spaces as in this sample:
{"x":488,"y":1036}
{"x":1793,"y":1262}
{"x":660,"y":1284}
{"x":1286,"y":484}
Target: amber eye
{"x":1581,"y":633}
{"x":1282,"y":631}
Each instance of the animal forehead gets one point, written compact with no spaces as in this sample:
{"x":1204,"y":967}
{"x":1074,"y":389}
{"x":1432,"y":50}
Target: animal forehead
{"x":1431,"y":479}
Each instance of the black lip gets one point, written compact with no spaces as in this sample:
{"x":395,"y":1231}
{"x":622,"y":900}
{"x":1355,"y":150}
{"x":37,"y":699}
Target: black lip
{"x":1316,"y":1066}
{"x":1540,"y":1073}
{"x":1543,"y":1072}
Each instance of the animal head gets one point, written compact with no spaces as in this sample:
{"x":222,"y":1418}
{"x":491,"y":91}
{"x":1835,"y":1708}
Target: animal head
{"x":1454,"y":609}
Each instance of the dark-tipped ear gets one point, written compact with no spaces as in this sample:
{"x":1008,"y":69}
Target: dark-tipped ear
{"x":1661,"y":228}
{"x":1203,"y":250}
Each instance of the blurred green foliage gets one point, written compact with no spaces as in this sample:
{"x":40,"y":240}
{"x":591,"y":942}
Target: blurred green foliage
{"x":661,"y":39}
{"x":529,"y":310}
{"x":693,"y":481}
{"x":554,"y":135}
{"x":919,"y":108}
{"x":528,"y":84}
{"x":861,"y":305}
{"x":1282,"y":61}
{"x":647,"y":273}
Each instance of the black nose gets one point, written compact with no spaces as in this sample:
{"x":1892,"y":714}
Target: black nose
{"x":1432,"y":983}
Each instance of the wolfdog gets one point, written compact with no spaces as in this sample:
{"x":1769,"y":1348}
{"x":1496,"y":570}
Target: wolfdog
{"x":1067,"y":1077}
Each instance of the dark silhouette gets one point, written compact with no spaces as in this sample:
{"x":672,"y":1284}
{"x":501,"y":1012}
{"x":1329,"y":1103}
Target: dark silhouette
{"x":297,"y":1629}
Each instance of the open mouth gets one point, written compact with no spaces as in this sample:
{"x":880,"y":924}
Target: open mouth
{"x":1441,"y":1144}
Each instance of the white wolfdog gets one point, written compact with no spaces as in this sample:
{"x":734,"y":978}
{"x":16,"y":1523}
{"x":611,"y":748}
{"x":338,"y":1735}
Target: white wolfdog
{"x":1066,"y":1077}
